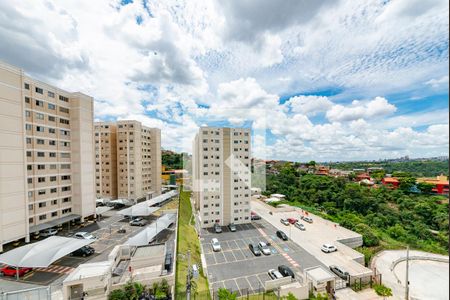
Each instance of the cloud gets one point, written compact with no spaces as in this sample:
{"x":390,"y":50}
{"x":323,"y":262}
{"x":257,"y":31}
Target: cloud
{"x":309,"y":105}
{"x":438,"y":83}
{"x":375,"y":108}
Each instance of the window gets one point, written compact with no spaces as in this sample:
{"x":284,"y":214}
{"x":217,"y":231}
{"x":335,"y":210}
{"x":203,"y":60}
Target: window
{"x":30,"y":206}
{"x":64,"y":144}
{"x":52,"y":178}
{"x":28,"y":153}
{"x":65,"y":177}
{"x":29,"y":167}
{"x":64,"y":110}
{"x":65,"y":132}
{"x":27,"y":86}
{"x":51,"y":119}
{"x":52,"y":154}
{"x":42,"y":217}
{"x":40,"y":154}
{"x":42,"y":204}
{"x":65,"y":166}
{"x":28,"y":126}
{"x":39,"y":90}
{"x":41,"y":179}
{"x":41,"y":167}
{"x":54,"y":214}
{"x":53,"y":190}
{"x":41,"y":192}
{"x":40,"y":141}
{"x":39,"y":103}
{"x":51,"y":106}
{"x":64,"y":121}
{"x":40,"y":129}
{"x":30,"y":180}
{"x":27,"y":100}
{"x":51,"y":94}
{"x":52,"y":143}
{"x":62,"y":98}
{"x":65,"y":155}
{"x":27,"y":114}
{"x":52,"y":130}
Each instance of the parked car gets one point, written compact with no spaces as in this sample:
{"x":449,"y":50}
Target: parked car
{"x":217,"y":228}
{"x":264,"y":248}
{"x":286,"y":271}
{"x":232,"y":227}
{"x":254,"y":216}
{"x":300,"y":226}
{"x":84,"y":251}
{"x":215,"y":245}
{"x":308,"y":220}
{"x":84,"y":235}
{"x":328,"y":248}
{"x":274,"y":274}
{"x":282,"y":235}
{"x":340,"y":272}
{"x":285,"y":222}
{"x":255,"y":249}
{"x":292,"y":220}
{"x":49,"y":232}
{"x":138,"y":222}
{"x":11,"y":271}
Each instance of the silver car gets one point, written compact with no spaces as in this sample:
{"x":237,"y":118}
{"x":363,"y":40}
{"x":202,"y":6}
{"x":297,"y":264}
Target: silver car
{"x":215,"y":245}
{"x":264,"y":248}
{"x":300,"y":226}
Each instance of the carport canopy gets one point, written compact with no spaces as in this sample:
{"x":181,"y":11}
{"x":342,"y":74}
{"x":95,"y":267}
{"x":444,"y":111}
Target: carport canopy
{"x":102,"y":209}
{"x":150,"y":232}
{"x":139,"y":210}
{"x":43,"y":253}
{"x":162,"y":198}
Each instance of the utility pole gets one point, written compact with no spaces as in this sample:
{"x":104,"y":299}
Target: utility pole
{"x":407,"y":274}
{"x":188,"y":277}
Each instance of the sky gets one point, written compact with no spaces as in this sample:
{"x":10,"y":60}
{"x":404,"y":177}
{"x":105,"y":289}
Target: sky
{"x":324,"y":80}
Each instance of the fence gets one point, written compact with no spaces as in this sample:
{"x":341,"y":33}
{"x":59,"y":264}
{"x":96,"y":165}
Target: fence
{"x":38,"y":293}
{"x":360,"y":283}
{"x":242,"y":294}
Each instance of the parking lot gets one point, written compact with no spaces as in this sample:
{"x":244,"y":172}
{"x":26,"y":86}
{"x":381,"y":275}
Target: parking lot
{"x":107,"y":237}
{"x":237,"y":269}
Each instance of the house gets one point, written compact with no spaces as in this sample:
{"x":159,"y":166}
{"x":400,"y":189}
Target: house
{"x":322,"y":170}
{"x":391,"y":182}
{"x":440,"y":183}
{"x":363,"y":176}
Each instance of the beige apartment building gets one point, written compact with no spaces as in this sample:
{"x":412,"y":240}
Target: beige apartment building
{"x":128,"y":160}
{"x":46,"y":155}
{"x":221,"y":175}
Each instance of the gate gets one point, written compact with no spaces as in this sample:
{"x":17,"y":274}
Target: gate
{"x":340,"y":284}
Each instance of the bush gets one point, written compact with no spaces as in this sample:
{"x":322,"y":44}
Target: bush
{"x":382,"y":290}
{"x":369,"y":237}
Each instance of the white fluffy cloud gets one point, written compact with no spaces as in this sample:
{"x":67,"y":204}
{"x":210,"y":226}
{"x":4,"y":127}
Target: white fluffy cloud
{"x":378,"y":107}
{"x":176,"y":64}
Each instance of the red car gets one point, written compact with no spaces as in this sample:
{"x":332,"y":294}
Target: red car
{"x":11,"y":271}
{"x":292,"y":220}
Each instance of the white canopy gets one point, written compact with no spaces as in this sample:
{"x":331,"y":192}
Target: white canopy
{"x":121,"y":201}
{"x":162,"y":198}
{"x":102,"y":209}
{"x":150,"y":232}
{"x":41,"y":254}
{"x":140,"y":209}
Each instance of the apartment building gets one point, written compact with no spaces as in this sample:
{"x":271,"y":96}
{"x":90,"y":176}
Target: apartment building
{"x":221,"y":177}
{"x":128,"y":160}
{"x":46,"y":155}
{"x":106,"y":160}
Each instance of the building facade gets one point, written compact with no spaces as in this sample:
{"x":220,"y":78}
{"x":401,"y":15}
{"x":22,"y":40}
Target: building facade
{"x":128,"y":160}
{"x":46,"y":155}
{"x":221,"y":175}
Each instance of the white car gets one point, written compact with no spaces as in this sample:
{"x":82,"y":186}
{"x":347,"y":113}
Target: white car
{"x":215,"y":245}
{"x":274,"y":274}
{"x":328,"y":248}
{"x":264,"y":248}
{"x":308,"y":219}
{"x":84,"y":235}
{"x":284,"y":222}
{"x":300,"y":226}
{"x":49,"y":232}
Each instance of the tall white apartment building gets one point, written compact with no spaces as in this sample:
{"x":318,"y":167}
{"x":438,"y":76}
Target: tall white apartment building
{"x":128,"y":160}
{"x":221,"y":175}
{"x":46,"y":156}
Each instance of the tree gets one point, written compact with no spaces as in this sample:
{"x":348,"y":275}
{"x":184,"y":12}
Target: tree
{"x":425,"y":187}
{"x":118,"y":295}
{"x":369,"y":237}
{"x":406,"y":182}
{"x":225,"y":294}
{"x":290,"y":296}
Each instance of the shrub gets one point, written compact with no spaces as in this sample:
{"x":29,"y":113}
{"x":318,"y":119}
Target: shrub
{"x":382,"y":290}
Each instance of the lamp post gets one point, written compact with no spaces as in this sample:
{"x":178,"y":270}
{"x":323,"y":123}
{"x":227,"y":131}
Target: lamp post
{"x":407,"y":274}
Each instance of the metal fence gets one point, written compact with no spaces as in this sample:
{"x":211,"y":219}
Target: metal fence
{"x":242,"y":294}
{"x":360,"y":283}
{"x":37,"y":293}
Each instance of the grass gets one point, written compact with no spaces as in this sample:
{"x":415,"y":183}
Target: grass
{"x":187,"y":240}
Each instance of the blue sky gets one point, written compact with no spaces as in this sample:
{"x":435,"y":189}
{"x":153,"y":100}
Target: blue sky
{"x":324,"y":80}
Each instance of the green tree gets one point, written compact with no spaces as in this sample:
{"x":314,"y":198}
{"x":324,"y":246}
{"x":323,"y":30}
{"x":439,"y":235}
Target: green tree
{"x":290,"y":296}
{"x":369,"y":237}
{"x":425,"y":187}
{"x":118,"y":295}
{"x":225,"y":294}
